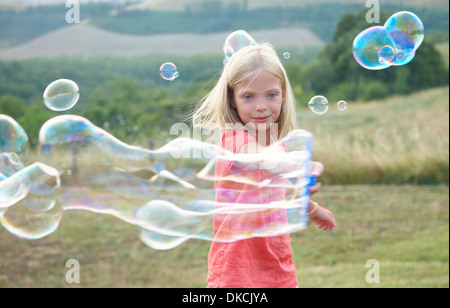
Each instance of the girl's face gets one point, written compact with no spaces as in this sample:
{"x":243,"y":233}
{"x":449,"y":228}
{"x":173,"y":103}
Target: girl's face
{"x":258,"y":101}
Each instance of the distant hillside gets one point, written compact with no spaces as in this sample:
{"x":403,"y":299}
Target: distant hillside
{"x":135,"y":17}
{"x":85,"y":40}
{"x":253,"y":4}
{"x":180,"y":4}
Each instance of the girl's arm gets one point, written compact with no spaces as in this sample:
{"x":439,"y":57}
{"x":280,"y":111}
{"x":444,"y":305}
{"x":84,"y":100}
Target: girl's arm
{"x":323,"y":218}
{"x":275,"y":167}
{"x":281,"y":167}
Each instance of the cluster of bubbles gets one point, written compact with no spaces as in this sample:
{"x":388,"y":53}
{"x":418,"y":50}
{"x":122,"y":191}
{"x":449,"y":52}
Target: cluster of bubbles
{"x":63,"y":94}
{"x":395,"y":43}
{"x":168,"y":192}
{"x":319,"y":104}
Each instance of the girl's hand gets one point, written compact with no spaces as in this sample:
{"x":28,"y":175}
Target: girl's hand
{"x":316,"y":171}
{"x":323,"y":218}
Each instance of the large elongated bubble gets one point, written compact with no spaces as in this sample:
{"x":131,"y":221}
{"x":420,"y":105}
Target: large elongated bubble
{"x":13,"y":139}
{"x":170,"y":192}
{"x":29,"y":200}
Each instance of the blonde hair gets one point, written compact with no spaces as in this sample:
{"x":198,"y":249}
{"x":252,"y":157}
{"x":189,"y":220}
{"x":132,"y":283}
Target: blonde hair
{"x":215,"y":110}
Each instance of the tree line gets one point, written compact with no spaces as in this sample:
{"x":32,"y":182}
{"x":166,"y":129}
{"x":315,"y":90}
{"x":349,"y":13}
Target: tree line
{"x":127,"y":96}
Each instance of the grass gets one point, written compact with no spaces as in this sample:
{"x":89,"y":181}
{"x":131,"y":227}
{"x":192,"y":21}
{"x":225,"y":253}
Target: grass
{"x":405,"y":228}
{"x":444,"y":50}
{"x":403,"y":139}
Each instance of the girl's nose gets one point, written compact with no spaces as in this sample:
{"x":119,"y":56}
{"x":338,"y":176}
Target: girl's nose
{"x":261,"y":105}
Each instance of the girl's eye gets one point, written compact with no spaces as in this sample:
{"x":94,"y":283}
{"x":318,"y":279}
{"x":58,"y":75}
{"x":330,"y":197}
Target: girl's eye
{"x":272,"y":95}
{"x":247,"y":97}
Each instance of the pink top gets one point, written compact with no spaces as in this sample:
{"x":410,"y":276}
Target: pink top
{"x":257,"y":262}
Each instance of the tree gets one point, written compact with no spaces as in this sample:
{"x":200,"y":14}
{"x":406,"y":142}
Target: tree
{"x":12,"y":106}
{"x":426,"y":70}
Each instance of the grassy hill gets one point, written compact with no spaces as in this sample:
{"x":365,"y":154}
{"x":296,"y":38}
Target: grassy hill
{"x":88,"y":41}
{"x":402,"y":139}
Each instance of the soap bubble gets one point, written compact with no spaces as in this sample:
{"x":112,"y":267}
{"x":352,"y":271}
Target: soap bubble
{"x":386,"y":54}
{"x":13,"y":139}
{"x":318,"y":104}
{"x":342,"y":105}
{"x":168,"y":71}
{"x":367,"y":45}
{"x":395,"y":43}
{"x":404,"y":47}
{"x":2,"y":210}
{"x":236,"y":41}
{"x":28,"y":199}
{"x":410,"y":26}
{"x":24,"y":201}
{"x":229,"y":51}
{"x":171,"y":196}
{"x":61,"y":95}
{"x":286,"y":55}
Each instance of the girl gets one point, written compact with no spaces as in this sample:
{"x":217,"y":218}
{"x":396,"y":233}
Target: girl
{"x":253,"y":92}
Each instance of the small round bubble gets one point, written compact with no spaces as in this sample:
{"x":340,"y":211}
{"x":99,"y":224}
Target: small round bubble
{"x":342,"y":105}
{"x":169,"y":71}
{"x":286,"y":55}
{"x":318,"y":104}
{"x":386,"y":54}
{"x":61,"y":95}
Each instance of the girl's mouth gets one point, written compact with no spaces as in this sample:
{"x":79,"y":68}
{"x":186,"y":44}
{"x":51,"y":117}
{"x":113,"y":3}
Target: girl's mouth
{"x":261,"y":120}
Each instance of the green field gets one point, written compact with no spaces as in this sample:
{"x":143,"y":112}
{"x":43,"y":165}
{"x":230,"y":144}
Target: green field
{"x":391,"y":143}
{"x":400,"y":140}
{"x":405,"y":228}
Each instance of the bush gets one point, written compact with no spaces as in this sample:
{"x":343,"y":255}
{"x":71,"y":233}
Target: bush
{"x":374,"y":90}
